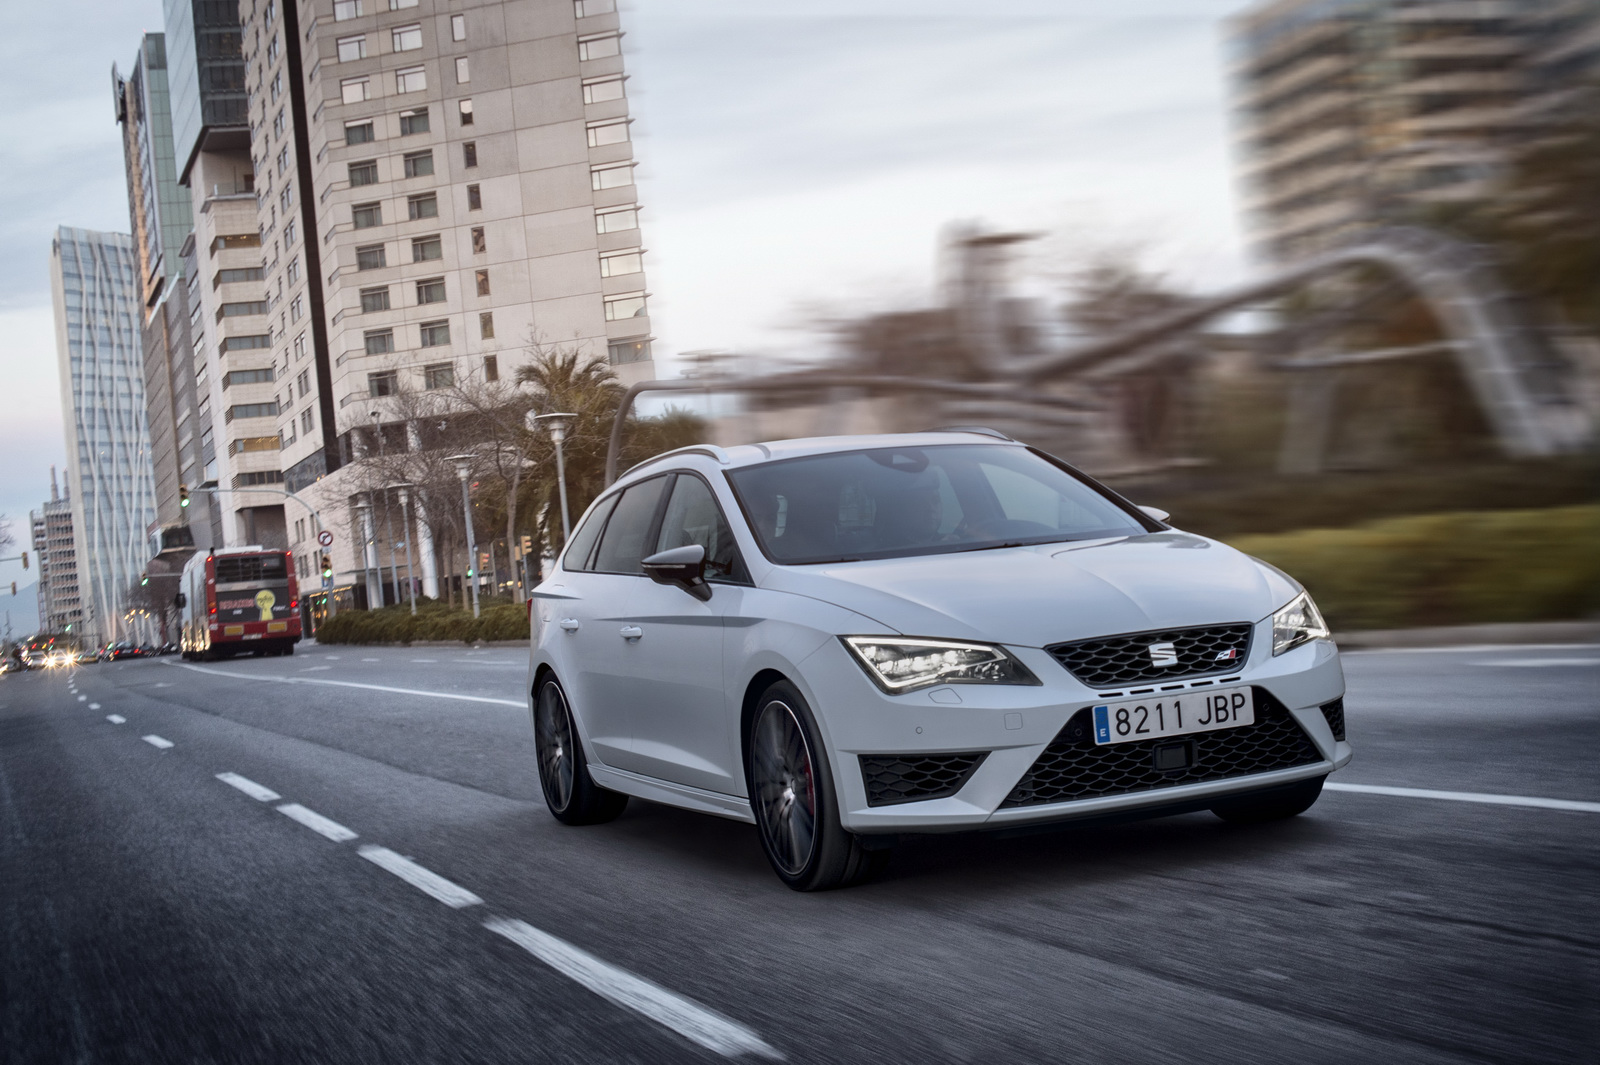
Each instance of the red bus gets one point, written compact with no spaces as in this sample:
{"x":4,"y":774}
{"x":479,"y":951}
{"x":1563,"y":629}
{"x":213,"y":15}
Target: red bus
{"x":239,"y":600}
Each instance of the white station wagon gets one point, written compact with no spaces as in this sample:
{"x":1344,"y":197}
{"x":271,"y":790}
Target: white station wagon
{"x":846,"y":639}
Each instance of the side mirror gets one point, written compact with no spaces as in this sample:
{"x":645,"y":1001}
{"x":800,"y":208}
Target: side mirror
{"x":682,"y":566}
{"x":180,"y":600}
{"x":1156,"y":513}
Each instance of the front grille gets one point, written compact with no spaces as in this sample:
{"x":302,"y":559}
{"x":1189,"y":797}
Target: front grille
{"x":1334,"y":712}
{"x":897,"y":778}
{"x":1073,"y":767}
{"x":1117,"y":661}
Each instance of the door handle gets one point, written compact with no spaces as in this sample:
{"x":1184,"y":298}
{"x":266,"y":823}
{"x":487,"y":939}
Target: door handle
{"x":569,"y":624}
{"x":631,"y":632}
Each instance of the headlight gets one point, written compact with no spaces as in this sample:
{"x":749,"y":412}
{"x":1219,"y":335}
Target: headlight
{"x":1297,"y":623}
{"x":900,"y":665}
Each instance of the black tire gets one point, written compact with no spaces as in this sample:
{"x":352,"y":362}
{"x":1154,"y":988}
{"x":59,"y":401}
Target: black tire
{"x":1275,"y":805}
{"x":572,"y":795}
{"x":793,"y":798}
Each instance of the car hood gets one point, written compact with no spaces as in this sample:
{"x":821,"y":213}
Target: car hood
{"x":1051,"y":593}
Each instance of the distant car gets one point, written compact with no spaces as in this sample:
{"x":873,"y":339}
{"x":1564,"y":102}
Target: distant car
{"x":87,"y":657}
{"x":119,"y":651}
{"x":845,"y":639}
{"x":10,"y":665}
{"x":168,"y":648}
{"x":34,"y":658}
{"x":59,"y":659}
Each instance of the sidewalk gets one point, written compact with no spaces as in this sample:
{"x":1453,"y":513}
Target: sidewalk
{"x":1529,"y":632}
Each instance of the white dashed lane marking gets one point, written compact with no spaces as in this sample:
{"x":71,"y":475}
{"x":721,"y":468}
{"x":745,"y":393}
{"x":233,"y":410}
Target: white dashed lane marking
{"x":94,"y":706}
{"x":424,"y":880}
{"x":156,"y":741}
{"x":689,"y":1019}
{"x":116,"y":719}
{"x":249,"y":787}
{"x":1469,"y":796}
{"x":365,"y":687}
{"x":83,"y":698}
{"x":1538,"y":663}
{"x":316,"y":822}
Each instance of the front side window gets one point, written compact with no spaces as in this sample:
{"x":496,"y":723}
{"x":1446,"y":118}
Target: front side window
{"x":581,"y":546}
{"x":897,"y":502}
{"x":693,"y":517}
{"x":622,"y":545}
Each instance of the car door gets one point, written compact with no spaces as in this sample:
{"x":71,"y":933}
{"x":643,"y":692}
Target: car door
{"x":672,"y":653}
{"x":585,"y":627}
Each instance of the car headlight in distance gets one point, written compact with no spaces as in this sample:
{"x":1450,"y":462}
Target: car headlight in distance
{"x":897,"y":664}
{"x":1296,"y":623}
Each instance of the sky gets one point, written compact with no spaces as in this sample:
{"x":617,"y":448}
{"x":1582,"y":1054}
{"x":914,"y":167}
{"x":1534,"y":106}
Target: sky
{"x":798,"y":160}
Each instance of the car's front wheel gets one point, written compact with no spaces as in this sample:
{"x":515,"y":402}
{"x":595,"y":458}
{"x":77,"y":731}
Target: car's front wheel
{"x":1274,"y":805}
{"x":793,"y":798}
{"x":573,"y":797}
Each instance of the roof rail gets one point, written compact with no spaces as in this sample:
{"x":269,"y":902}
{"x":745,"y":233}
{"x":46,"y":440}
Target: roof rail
{"x":703,"y":449}
{"x":981,"y":430}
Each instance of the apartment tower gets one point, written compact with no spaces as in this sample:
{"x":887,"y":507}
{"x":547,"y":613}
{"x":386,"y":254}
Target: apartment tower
{"x":60,"y":605}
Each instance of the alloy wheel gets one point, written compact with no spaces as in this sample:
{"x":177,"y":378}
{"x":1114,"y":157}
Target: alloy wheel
{"x":555,"y":745}
{"x":785,"y":786}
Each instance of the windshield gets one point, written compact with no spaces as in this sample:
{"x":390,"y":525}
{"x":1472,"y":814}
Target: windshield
{"x":894,"y":502}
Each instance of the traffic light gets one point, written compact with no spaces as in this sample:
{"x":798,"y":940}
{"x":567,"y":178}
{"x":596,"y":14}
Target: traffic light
{"x":24,"y":560}
{"x":327,"y":566}
{"x":527,"y":545}
{"x":183,"y":495}
{"x":144,"y":579}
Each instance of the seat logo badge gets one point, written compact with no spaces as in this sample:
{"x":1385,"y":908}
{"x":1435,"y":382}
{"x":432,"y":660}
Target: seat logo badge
{"x":1227,"y":656}
{"x":1163,"y":654}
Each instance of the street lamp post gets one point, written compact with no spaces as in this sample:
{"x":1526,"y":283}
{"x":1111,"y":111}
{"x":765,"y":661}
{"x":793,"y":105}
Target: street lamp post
{"x":405,"y":522}
{"x":557,"y":424}
{"x":369,"y":555}
{"x":464,"y":471}
{"x":388,"y":515}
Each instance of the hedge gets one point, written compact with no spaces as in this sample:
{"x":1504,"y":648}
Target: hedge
{"x":433,"y":621}
{"x":1446,"y":569}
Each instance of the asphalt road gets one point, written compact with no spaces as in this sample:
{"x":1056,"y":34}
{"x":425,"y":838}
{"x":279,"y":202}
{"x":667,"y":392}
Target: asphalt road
{"x":151,"y":912}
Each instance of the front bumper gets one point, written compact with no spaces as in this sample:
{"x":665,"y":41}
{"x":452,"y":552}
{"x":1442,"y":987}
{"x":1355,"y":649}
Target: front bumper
{"x":1012,"y":727}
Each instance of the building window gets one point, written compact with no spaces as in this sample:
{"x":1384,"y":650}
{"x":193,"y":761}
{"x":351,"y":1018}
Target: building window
{"x":286,"y":197}
{"x":479,"y":244}
{"x":366,"y":215}
{"x":297,"y":308}
{"x":252,"y":410}
{"x":626,"y":262}
{"x":278,"y":122}
{"x":354,"y":90}
{"x":406,"y":38}
{"x":383,"y":383}
{"x":304,"y":382}
{"x":239,"y":310}
{"x":276,"y":88}
{"x":293,"y":270}
{"x":599,"y":46}
{"x":474,"y":198}
{"x":610,"y":177}
{"x":306,"y":421}
{"x":627,"y":305}
{"x":486,"y":330}
{"x":585,"y":8}
{"x":491,"y":363}
{"x":599,"y":90}
{"x":352,"y":48}
{"x":358,"y":132}
{"x":469,"y":153}
{"x":413,"y":121}
{"x":483,"y":282}
{"x":283,"y":159}
{"x":425,"y":205}
{"x":370,"y":257}
{"x":379,"y":341}
{"x":346,"y":9}
{"x":465,"y":108}
{"x":411,"y":79}
{"x":288,"y":237}
{"x":272,"y":51}
{"x":463,"y":70}
{"x":364,"y":173}
{"x":425,"y":249}
{"x":236,"y":274}
{"x":622,"y":352}
{"x":435,"y":334}
{"x":616,"y":219}
{"x":439,"y":375}
{"x":431,"y":290}
{"x":614,"y":131}
{"x":246,"y":377}
{"x":374,"y":299}
{"x":400,"y":5}
{"x":300,"y":347}
{"x":419,"y":164}
{"x":458,"y":27}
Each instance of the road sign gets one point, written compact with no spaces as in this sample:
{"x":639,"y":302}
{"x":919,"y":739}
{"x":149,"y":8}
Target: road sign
{"x":325,"y":538}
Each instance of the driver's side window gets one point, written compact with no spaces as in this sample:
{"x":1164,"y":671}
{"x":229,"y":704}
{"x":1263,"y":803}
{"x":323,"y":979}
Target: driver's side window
{"x":693,"y":517}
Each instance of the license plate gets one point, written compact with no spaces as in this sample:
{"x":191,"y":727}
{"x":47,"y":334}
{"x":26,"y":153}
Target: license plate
{"x":1179,"y":714}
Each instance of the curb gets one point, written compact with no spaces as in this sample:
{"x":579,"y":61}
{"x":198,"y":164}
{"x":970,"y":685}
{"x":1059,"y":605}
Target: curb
{"x":1528,"y":632}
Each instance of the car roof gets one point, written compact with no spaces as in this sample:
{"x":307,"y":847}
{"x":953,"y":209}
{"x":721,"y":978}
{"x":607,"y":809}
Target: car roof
{"x":741,"y":455}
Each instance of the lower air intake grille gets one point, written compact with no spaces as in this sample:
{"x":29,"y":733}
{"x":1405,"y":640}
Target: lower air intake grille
{"x":1334,"y":712}
{"x":1072,"y":767}
{"x":896,"y":778}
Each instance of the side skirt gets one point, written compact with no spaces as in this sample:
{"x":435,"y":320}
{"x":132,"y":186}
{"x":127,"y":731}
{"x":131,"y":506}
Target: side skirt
{"x":681,"y":795}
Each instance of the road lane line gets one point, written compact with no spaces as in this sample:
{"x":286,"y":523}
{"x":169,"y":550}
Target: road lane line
{"x":116,"y":719}
{"x":352,"y":684}
{"x":424,"y":880}
{"x":1470,"y":796}
{"x":83,"y":698}
{"x":156,"y":741}
{"x":1535,"y":663}
{"x":1467,"y":648}
{"x":689,"y":1019}
{"x":249,"y":787}
{"x":94,"y":706}
{"x":316,"y":822}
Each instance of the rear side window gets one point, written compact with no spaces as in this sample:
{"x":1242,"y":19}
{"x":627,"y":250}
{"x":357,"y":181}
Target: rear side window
{"x":582,"y":545}
{"x":622,"y":546}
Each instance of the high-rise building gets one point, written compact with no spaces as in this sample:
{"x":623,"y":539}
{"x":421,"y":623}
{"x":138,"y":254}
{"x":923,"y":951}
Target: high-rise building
{"x":1352,"y":113}
{"x":436,"y":183}
{"x":94,"y":283}
{"x":60,"y":606}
